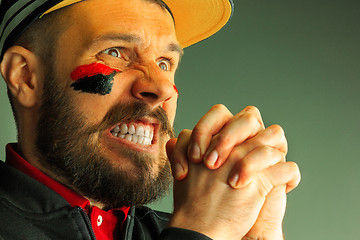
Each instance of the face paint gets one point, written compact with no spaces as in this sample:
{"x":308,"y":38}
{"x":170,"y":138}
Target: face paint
{"x":176,"y":90}
{"x":94,"y":78}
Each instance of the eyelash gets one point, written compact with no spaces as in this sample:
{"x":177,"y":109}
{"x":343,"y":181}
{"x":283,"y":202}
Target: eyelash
{"x":170,"y":60}
{"x":118,"y":49}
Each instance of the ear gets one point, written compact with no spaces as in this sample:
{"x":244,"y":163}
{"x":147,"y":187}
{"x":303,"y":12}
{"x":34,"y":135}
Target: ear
{"x":21,"y":71}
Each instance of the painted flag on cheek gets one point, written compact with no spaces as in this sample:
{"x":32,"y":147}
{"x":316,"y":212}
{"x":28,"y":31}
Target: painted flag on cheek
{"x":95,"y":78}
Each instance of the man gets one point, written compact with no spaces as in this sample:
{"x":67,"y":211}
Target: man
{"x":92,"y":89}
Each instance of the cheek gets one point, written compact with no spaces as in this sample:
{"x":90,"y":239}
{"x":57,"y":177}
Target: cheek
{"x":170,"y":108}
{"x":94,"y":78}
{"x":176,"y":90}
{"x":91,"y":107}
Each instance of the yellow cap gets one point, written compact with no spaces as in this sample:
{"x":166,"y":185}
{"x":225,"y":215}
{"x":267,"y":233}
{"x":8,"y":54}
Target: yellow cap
{"x":61,"y":5}
{"x":195,"y":20}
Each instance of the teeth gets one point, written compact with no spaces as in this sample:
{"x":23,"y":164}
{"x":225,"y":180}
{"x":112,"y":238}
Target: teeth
{"x":147,"y":132}
{"x":140,"y":131}
{"x":134,"y":133}
{"x":128,"y":137}
{"x":135,"y":138}
{"x":132,"y":129}
{"x":123,"y":128}
{"x":116,"y":129}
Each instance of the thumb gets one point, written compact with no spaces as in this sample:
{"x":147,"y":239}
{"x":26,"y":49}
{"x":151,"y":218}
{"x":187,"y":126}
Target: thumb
{"x":170,"y":147}
{"x":179,"y":166}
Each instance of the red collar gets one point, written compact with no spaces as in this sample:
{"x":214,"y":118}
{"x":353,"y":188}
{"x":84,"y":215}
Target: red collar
{"x":106,"y":224}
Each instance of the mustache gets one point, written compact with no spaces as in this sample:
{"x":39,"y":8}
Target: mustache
{"x":127,"y":112}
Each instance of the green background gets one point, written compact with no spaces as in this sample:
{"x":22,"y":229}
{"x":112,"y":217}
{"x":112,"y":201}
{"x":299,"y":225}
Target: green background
{"x":299,"y":63}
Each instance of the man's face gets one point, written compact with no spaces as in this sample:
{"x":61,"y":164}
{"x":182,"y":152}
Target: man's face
{"x":114,"y":70}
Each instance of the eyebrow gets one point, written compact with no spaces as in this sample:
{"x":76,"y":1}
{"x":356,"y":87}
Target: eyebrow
{"x":174,"y":47}
{"x":130,"y":38}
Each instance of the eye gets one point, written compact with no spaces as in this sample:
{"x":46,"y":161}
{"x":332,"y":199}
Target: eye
{"x":164,"y":64}
{"x":114,"y":52}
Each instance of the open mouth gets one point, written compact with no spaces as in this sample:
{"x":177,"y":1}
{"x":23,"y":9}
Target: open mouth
{"x":135,"y":132}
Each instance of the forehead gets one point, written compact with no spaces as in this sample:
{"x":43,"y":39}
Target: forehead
{"x":146,"y":20}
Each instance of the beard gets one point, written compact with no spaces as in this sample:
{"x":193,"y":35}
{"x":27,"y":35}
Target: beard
{"x":70,"y":147}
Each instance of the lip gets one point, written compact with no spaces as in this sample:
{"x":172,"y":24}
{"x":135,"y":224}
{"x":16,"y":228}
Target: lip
{"x":138,"y":147}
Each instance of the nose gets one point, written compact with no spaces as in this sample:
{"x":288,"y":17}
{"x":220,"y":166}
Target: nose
{"x":153,"y":87}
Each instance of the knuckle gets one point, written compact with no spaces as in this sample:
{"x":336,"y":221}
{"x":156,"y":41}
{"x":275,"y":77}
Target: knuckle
{"x":219,"y":107}
{"x":244,"y":174}
{"x":198,"y":134}
{"x":221,"y":110}
{"x":254,"y":112}
{"x":224,"y":140}
{"x":252,"y":119}
{"x":246,"y":166}
{"x":293,"y":167}
{"x":267,"y":151}
{"x":252,"y":109}
{"x":273,"y":155}
{"x":277,"y":129}
{"x":278,"y":132}
{"x":184,"y":133}
{"x":200,"y":130}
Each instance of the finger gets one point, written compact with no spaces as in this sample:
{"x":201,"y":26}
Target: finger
{"x":176,"y":168}
{"x":243,"y":126}
{"x":296,"y":178}
{"x":283,"y":173}
{"x":170,"y":148}
{"x":273,"y":136}
{"x":209,"y":125}
{"x":254,"y":162}
{"x":176,"y":150}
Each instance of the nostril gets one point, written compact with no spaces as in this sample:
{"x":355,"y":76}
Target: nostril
{"x":149,"y":95}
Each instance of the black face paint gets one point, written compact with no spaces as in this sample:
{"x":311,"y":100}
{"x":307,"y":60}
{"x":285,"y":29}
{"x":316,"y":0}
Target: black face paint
{"x":94,"y":78}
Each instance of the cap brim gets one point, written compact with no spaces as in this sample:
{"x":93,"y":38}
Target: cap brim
{"x":62,"y":4}
{"x":195,"y":20}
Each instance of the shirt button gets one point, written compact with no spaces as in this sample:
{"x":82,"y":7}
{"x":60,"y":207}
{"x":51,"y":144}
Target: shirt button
{"x":99,"y":220}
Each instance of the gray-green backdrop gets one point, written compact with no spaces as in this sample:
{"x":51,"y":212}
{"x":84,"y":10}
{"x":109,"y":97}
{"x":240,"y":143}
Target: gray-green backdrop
{"x":298,"y":61}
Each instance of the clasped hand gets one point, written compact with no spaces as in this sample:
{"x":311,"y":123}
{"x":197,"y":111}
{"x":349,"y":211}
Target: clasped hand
{"x":231,"y":176}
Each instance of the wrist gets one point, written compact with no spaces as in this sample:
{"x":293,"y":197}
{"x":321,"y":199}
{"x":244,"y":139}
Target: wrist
{"x":264,"y":237}
{"x":265,"y":231}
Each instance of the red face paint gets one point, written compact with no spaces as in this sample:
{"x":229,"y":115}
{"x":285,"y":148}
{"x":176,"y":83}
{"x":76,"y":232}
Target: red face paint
{"x":176,"y":90}
{"x":94,"y":78}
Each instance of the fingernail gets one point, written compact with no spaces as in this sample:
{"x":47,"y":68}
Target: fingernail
{"x":179,"y":171}
{"x":233,"y":181}
{"x":212,"y":158}
{"x":195,"y":151}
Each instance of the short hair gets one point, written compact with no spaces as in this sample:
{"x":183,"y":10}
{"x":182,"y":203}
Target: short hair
{"x":41,"y":39}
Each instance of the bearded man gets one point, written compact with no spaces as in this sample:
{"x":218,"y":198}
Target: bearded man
{"x":91,"y":84}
